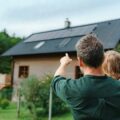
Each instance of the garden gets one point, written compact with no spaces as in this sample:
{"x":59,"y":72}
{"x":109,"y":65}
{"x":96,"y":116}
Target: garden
{"x":32,"y":101}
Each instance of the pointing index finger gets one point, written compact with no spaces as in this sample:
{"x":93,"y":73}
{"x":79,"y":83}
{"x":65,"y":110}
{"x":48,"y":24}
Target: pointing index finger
{"x":66,"y":55}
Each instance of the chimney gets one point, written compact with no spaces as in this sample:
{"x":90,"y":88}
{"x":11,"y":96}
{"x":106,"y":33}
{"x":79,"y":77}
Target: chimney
{"x":67,"y":23}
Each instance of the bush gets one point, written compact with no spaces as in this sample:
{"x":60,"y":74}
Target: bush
{"x":4,"y":103}
{"x":36,"y":94}
{"x":5,"y":97}
{"x":6,"y":93}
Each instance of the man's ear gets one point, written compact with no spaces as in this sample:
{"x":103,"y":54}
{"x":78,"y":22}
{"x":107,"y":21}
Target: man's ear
{"x":80,"y":61}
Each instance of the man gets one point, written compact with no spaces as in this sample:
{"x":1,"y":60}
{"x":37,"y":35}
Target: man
{"x":93,"y":96}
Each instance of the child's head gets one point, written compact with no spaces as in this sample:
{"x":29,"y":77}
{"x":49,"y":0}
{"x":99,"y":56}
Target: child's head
{"x":111,"y":64}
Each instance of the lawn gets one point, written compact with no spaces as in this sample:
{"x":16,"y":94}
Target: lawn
{"x":10,"y":114}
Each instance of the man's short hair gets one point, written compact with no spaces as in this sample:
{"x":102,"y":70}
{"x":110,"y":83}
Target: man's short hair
{"x":90,"y":50}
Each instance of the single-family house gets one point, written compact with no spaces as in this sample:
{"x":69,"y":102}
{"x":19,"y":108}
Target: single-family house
{"x":39,"y":53}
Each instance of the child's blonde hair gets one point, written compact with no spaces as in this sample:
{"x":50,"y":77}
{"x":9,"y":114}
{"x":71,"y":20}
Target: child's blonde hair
{"x":111,"y":64}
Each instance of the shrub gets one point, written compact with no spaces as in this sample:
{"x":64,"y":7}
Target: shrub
{"x":4,"y":103}
{"x":29,"y":89}
{"x":6,"y":93}
{"x":36,"y":94}
{"x":5,"y":97}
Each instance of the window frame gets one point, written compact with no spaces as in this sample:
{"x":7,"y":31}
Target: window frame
{"x":23,"y":71}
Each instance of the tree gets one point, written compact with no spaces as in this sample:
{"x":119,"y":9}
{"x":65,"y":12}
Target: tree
{"x":118,"y":48}
{"x":6,"y":42}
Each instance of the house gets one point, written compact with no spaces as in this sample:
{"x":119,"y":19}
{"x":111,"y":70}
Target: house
{"x":39,"y":53}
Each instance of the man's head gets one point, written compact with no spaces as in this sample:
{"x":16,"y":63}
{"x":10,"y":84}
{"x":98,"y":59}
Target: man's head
{"x":90,"y":51}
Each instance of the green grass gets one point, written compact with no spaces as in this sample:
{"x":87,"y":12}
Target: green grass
{"x":10,"y":114}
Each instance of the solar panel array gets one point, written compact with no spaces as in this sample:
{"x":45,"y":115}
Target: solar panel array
{"x":70,"y":32}
{"x":110,"y":34}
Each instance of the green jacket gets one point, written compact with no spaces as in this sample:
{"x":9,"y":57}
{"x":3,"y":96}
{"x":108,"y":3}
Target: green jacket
{"x":90,"y":97}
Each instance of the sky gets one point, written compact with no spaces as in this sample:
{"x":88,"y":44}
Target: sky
{"x":24,"y":17}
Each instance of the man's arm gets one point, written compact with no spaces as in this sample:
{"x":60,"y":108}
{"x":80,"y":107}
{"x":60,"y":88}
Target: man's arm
{"x":64,"y":61}
{"x":59,"y":82}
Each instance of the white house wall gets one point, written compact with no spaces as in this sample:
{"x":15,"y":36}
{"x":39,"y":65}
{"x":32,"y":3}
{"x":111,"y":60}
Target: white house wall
{"x":40,"y":66}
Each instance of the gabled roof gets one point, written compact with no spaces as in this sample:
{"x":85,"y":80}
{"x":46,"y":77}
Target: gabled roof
{"x":64,"y":40}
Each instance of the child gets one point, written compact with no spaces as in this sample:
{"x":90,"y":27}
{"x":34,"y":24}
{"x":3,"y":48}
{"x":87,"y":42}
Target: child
{"x":111,"y":64}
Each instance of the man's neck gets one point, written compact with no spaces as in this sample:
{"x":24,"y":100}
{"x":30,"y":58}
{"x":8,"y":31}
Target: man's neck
{"x":93,"y":71}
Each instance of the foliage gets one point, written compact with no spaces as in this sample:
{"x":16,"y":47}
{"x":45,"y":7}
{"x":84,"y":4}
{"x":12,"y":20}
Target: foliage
{"x":118,"y":47}
{"x":5,"y":97}
{"x":6,"y":42}
{"x":6,"y":93}
{"x":36,"y":94}
{"x":4,"y":103}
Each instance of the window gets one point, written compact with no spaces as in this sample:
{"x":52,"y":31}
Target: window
{"x":40,"y":44}
{"x":23,"y":71}
{"x":78,"y":72}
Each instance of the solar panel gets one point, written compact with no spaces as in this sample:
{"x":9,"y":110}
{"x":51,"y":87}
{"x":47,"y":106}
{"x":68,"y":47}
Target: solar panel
{"x":70,"y":32}
{"x":108,"y":33}
{"x":64,"y":42}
